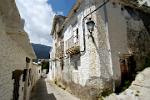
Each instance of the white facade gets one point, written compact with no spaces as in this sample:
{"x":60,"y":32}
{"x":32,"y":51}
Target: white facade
{"x":90,"y":65}
{"x":52,"y":64}
{"x":98,"y":64}
{"x":15,"y":49}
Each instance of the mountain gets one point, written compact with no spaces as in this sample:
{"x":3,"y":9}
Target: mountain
{"x":41,"y":51}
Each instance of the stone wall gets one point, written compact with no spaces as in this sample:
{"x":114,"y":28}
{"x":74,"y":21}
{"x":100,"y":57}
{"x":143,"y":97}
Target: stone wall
{"x":127,"y":31}
{"x":138,"y":34}
{"x":115,"y":34}
{"x":128,"y":34}
{"x":93,"y":76}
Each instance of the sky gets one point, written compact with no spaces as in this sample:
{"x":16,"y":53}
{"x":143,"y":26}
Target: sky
{"x":62,"y":5}
{"x":38,"y":16}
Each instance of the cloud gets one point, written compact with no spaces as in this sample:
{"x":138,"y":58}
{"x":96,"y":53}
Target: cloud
{"x":38,"y":16}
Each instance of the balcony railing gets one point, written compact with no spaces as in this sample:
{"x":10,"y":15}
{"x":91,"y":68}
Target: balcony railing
{"x":72,"y":46}
{"x":60,"y":51}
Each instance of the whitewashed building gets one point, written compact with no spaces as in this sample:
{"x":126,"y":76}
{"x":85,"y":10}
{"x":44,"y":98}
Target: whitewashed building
{"x":94,"y":62}
{"x":54,"y":62}
{"x":16,"y":54}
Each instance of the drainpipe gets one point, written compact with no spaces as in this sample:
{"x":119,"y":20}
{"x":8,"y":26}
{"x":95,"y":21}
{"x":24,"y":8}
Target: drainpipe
{"x":83,"y":26}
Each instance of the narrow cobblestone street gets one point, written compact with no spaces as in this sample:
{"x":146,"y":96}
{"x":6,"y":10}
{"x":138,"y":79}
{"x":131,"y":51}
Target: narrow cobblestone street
{"x":45,"y":90}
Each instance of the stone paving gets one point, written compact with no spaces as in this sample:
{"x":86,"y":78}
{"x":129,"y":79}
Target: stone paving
{"x":45,"y":90}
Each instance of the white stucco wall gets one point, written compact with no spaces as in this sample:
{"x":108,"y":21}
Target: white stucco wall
{"x":52,"y":63}
{"x":89,"y":62}
{"x":100,"y":63}
{"x":117,"y":28}
{"x":102,"y":57}
{"x":8,"y":62}
{"x":35,"y":73}
{"x":12,"y":57}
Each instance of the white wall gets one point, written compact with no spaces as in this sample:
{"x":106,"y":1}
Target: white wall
{"x":51,"y":74}
{"x":90,"y":65}
{"x":117,"y":28}
{"x":12,"y":57}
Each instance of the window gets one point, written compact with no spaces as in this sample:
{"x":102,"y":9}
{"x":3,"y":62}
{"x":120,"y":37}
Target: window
{"x":24,"y":75}
{"x":27,"y":60}
{"x":62,"y":64}
{"x":75,"y":61}
{"x":76,"y":65}
{"x":76,"y":35}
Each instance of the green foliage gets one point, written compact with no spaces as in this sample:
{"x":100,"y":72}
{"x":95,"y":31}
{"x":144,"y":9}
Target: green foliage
{"x":106,"y":93}
{"x":136,"y":94}
{"x":127,"y":83}
{"x":45,"y":65}
{"x":123,"y":86}
{"x":147,"y":62}
{"x":101,"y":98}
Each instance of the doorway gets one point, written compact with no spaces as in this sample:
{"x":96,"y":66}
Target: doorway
{"x":16,"y":75}
{"x":127,"y":69}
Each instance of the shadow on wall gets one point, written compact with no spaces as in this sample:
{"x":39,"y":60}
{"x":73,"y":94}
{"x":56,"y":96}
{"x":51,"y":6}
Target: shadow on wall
{"x":139,"y":40}
{"x":39,"y":91}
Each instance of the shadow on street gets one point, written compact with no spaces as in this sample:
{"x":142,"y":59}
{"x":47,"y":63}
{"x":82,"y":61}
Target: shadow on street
{"x":39,"y":91}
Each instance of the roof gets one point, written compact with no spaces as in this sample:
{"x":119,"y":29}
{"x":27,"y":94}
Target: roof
{"x":71,"y":13}
{"x":66,"y":19}
{"x":131,"y":3}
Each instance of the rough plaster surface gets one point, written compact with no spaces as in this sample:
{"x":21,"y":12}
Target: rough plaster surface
{"x":15,"y":47}
{"x":110,"y":39}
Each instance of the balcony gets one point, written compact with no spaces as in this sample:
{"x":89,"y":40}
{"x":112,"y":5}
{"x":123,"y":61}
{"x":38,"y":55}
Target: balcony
{"x":60,"y":51}
{"x":72,"y":46}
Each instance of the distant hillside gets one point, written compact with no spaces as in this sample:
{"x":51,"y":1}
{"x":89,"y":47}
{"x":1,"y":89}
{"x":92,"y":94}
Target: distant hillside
{"x":41,"y":51}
